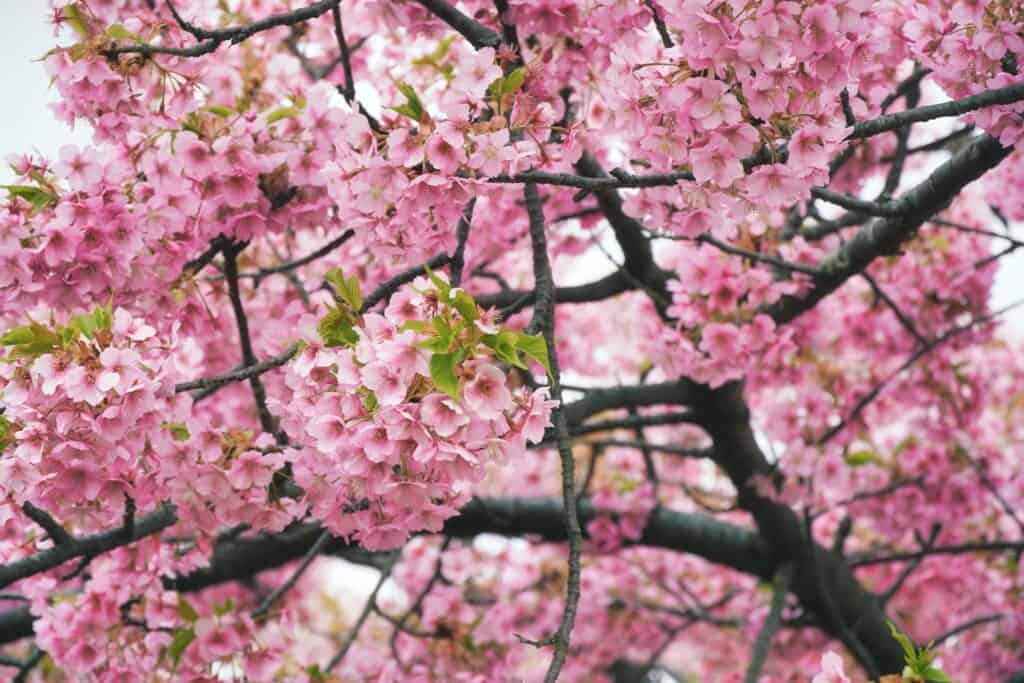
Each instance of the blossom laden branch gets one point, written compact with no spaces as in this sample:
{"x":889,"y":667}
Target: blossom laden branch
{"x":214,"y":38}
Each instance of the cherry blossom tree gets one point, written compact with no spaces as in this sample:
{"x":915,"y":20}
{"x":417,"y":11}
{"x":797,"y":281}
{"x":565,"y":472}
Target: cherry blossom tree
{"x":613,"y":340}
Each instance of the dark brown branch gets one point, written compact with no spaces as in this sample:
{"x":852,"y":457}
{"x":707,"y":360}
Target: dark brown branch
{"x":780,"y":588}
{"x":57,"y":533}
{"x":348,"y":91}
{"x":890,"y":122}
{"x":544,"y":322}
{"x":95,"y":544}
{"x":461,"y":237}
{"x":299,"y":262}
{"x":476,"y":33}
{"x":388,"y":288}
{"x":204,"y":386}
{"x":861,"y":206}
{"x":959,"y":549}
{"x":213,"y":38}
{"x":883,"y":236}
{"x":267,"y":421}
{"x":659,"y":23}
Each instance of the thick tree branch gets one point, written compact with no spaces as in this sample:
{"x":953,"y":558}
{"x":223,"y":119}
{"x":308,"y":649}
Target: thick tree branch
{"x":883,"y":236}
{"x":476,"y":33}
{"x":95,"y":544}
{"x":890,"y":122}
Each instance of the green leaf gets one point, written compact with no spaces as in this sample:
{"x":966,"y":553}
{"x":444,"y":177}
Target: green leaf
{"x":443,"y":337}
{"x":534,"y":346}
{"x":442,"y":372}
{"x":443,"y":288}
{"x":186,"y":611}
{"x":31,"y":340}
{"x":346,"y":289}
{"x":227,"y":607}
{"x":315,"y":674}
{"x":370,"y":402}
{"x":337,"y":328}
{"x":7,"y":430}
{"x":282,"y":113}
{"x":859,"y":458}
{"x":507,"y":85}
{"x":504,"y":346}
{"x":73,"y":16}
{"x":119,"y":32}
{"x":220,"y":110}
{"x":413,"y":107}
{"x":933,"y":674}
{"x":420,"y":326}
{"x":37,"y":197}
{"x":904,"y":641}
{"x":464,"y":303}
{"x":182,"y":638}
{"x":178,"y":430}
{"x":434,"y":58}
{"x":101,"y":318}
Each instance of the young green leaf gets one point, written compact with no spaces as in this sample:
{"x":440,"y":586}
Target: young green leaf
{"x":442,"y":372}
{"x":337,"y":329}
{"x":464,"y":303}
{"x":186,"y":611}
{"x":533,"y":346}
{"x":413,"y":107}
{"x":31,"y":340}
{"x":37,"y":197}
{"x":181,"y":640}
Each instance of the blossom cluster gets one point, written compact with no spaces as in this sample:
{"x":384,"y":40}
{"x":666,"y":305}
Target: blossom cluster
{"x":400,"y":412}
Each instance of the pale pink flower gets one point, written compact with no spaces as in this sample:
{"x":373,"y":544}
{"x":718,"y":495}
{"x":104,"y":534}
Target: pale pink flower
{"x":443,"y":414}
{"x":486,"y":394}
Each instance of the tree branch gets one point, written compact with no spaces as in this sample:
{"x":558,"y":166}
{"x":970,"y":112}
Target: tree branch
{"x":476,"y":33}
{"x":212,"y":39}
{"x":884,"y":236}
{"x":544,"y":322}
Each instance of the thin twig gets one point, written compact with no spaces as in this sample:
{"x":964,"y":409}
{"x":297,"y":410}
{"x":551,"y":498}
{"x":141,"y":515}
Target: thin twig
{"x":978,"y":621}
{"x":259,"y":393}
{"x":917,"y":355}
{"x":204,"y":386}
{"x":311,"y":555}
{"x":780,"y":587}
{"x":911,"y":566}
{"x":213,"y":38}
{"x":659,"y":23}
{"x":299,"y":262}
{"x":348,"y":91}
{"x":354,"y":631}
{"x":461,"y":237}
{"x":907,"y":323}
{"x":388,"y":288}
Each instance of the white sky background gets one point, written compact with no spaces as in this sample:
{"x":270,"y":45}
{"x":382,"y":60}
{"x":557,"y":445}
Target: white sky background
{"x":28,"y":125}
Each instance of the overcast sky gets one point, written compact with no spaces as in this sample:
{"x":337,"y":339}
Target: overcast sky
{"x":27,"y":125}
